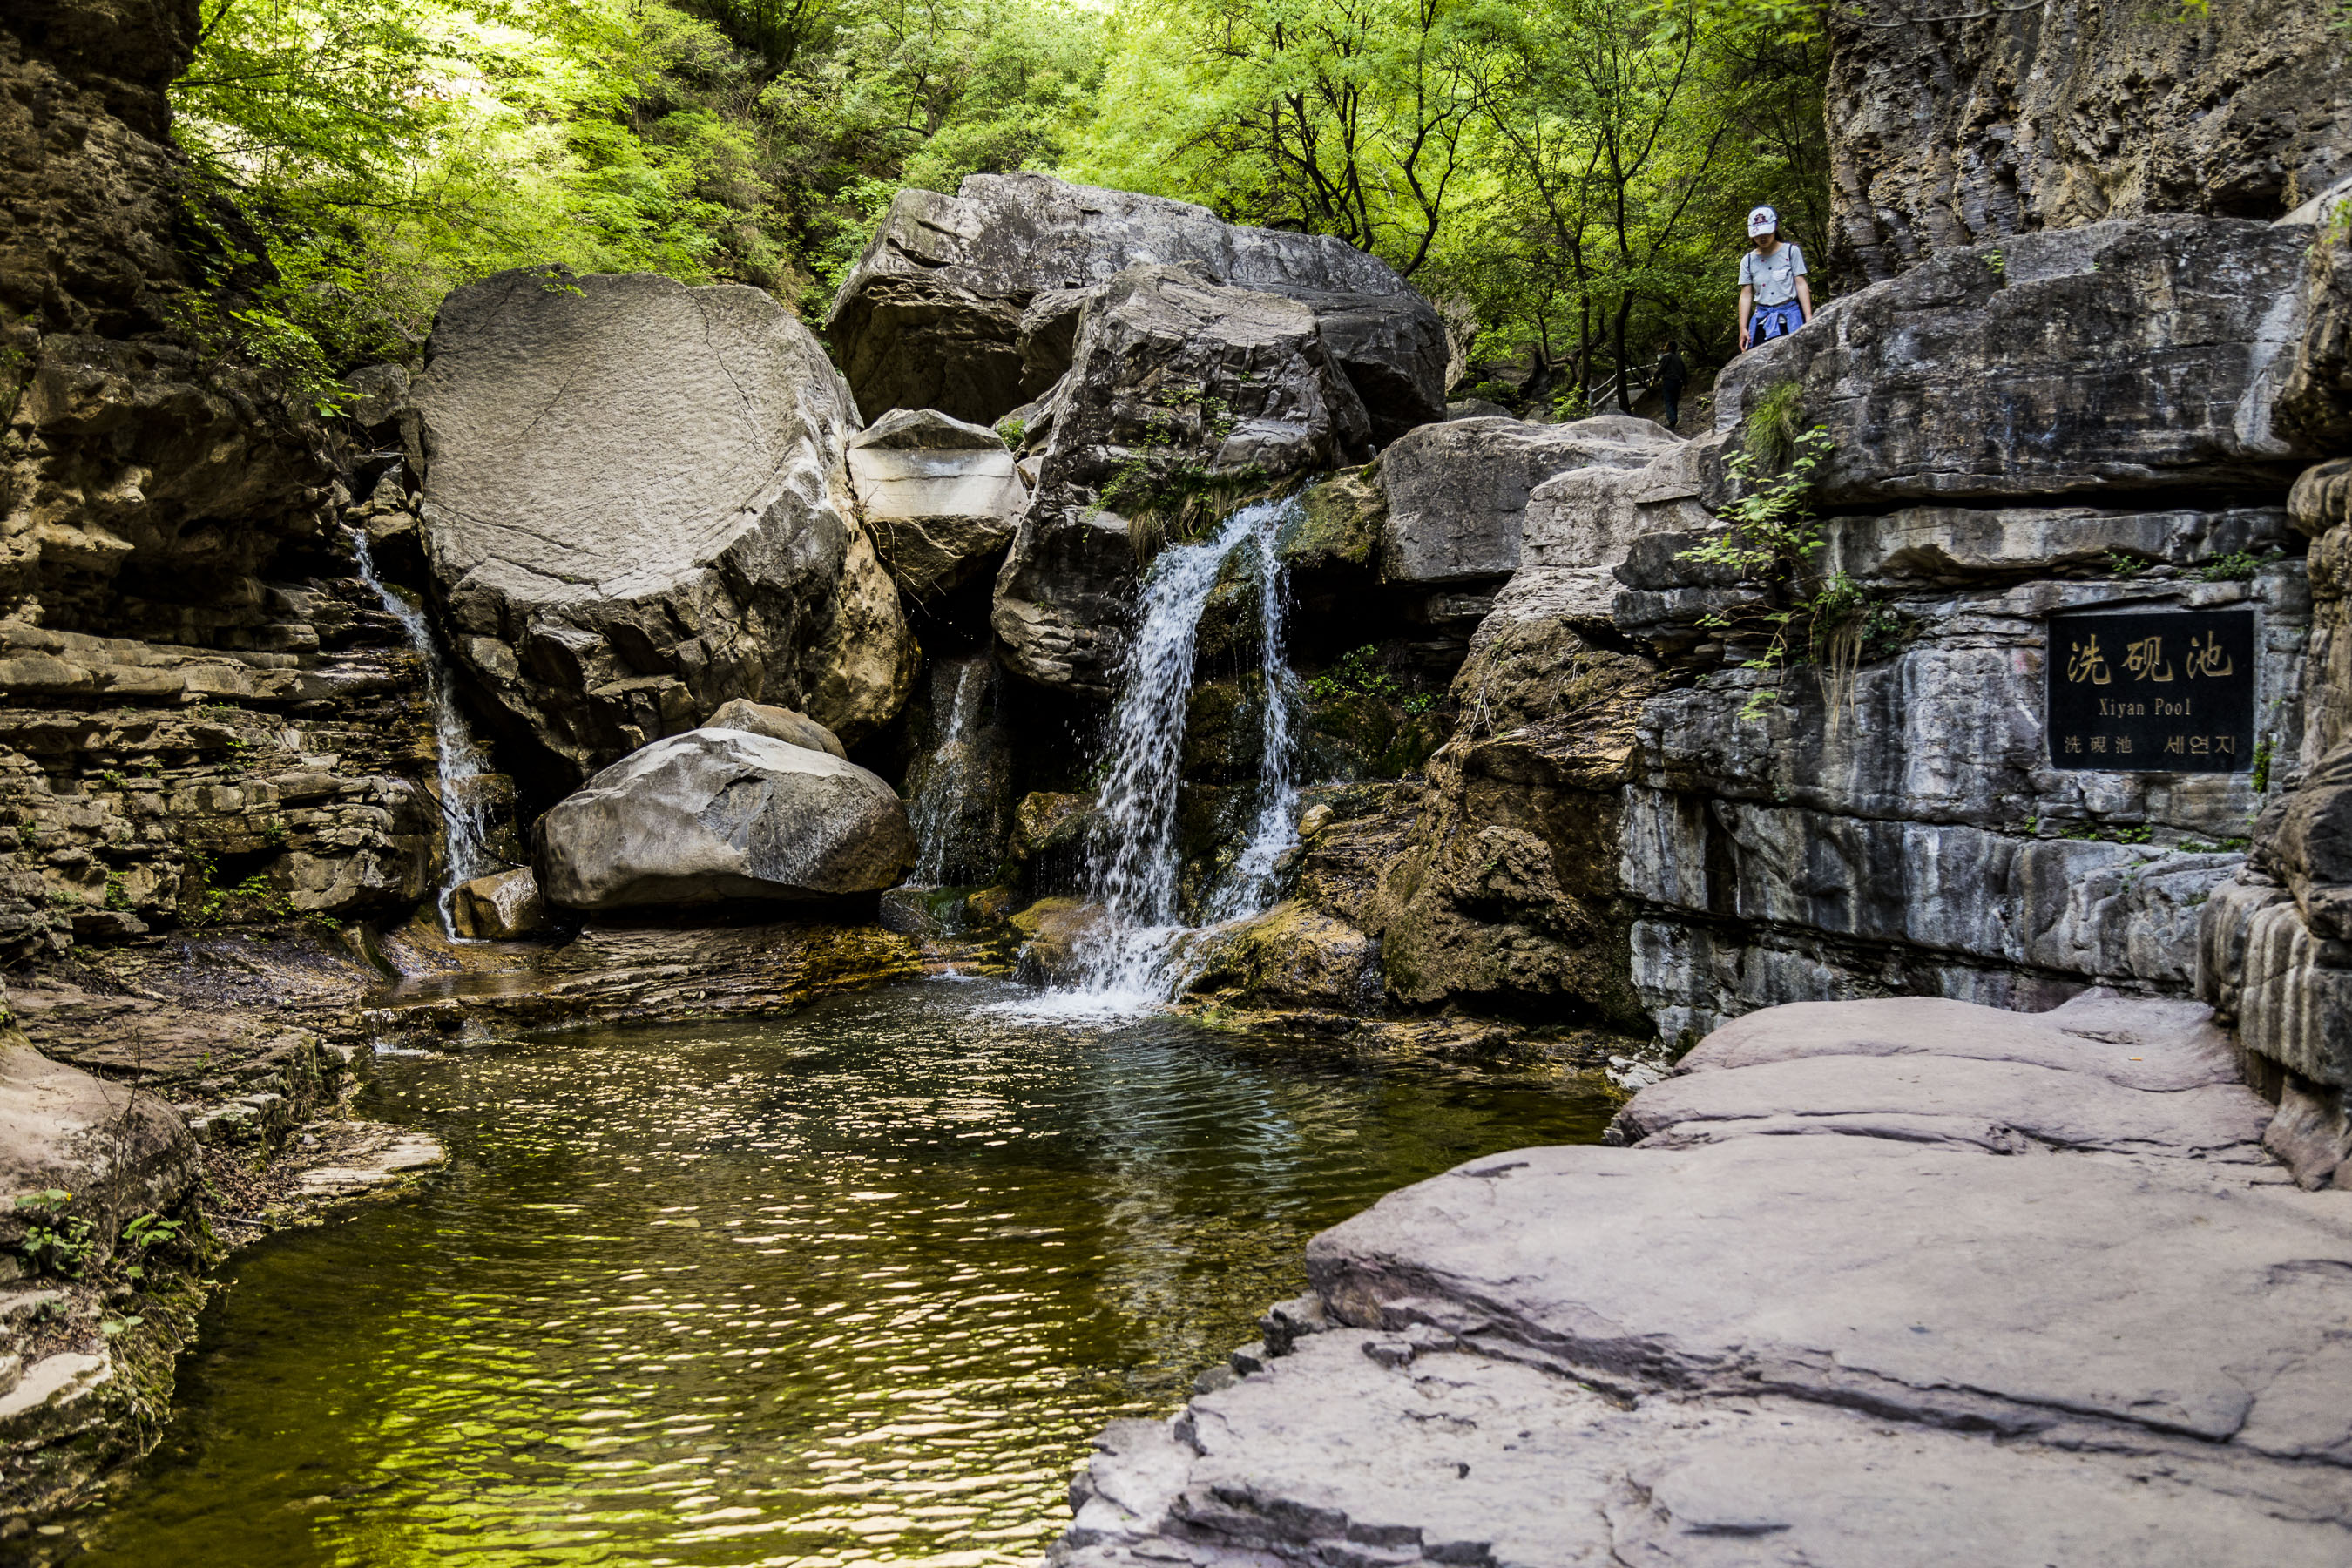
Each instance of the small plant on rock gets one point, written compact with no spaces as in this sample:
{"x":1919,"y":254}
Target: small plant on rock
{"x":56,"y":1242}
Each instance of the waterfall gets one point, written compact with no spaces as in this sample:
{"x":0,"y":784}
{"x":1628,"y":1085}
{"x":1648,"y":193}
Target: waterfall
{"x":957,"y":691}
{"x":459,"y":762}
{"x":1247,"y":888}
{"x":1124,"y":957}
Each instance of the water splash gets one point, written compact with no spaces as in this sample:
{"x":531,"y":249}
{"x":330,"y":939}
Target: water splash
{"x":459,"y":762}
{"x":1123,"y":961}
{"x":947,"y":775}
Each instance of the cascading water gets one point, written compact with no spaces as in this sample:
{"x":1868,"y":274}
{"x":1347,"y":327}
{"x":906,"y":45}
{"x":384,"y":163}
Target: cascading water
{"x":459,"y":762}
{"x":1248,"y":886}
{"x":946,"y":774}
{"x":1124,"y":958}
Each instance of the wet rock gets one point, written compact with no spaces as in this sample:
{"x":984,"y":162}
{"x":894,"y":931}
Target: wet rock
{"x":2129,"y":355}
{"x":1290,"y":956}
{"x":717,"y":815}
{"x":681,"y":534}
{"x":1052,"y":933}
{"x":966,"y":303}
{"x":499,"y":907}
{"x":1185,"y":397}
{"x":939,"y":494}
{"x":1457,"y":493}
{"x":793,"y":728}
{"x":1052,"y":834}
{"x":1984,"y":127}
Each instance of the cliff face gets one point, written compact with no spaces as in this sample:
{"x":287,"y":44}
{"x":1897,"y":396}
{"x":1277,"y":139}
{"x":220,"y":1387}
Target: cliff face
{"x":2017,"y":118}
{"x":144,"y":478}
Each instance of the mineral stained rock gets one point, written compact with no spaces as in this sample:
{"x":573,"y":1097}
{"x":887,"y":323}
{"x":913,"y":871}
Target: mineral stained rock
{"x":968,"y":303}
{"x":499,"y":907}
{"x":2060,"y":1309}
{"x":717,"y":815}
{"x":636,"y":508}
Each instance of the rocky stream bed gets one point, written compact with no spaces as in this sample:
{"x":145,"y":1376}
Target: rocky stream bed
{"x":692,"y":937}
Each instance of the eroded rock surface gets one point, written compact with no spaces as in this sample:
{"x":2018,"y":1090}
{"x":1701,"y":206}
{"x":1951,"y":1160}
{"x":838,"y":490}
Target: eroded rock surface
{"x":2129,"y":355}
{"x":1914,"y":1333}
{"x":1991,"y":123}
{"x":968,"y":303}
{"x":636,"y":508}
{"x":717,"y":815}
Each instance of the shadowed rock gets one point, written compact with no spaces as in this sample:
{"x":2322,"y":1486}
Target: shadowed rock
{"x":717,"y":815}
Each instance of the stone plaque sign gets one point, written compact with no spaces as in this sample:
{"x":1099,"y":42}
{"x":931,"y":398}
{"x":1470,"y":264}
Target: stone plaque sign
{"x":2152,"y":691}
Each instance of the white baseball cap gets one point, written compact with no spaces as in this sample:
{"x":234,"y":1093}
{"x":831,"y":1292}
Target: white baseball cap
{"x":1763,"y":220}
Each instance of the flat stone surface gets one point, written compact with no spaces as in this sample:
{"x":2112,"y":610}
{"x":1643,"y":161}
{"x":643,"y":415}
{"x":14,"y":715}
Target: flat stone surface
{"x":1331,"y":1455}
{"x":1929,"y":1284}
{"x":2137,"y":1043}
{"x":2053,"y":1107}
{"x":636,"y":506}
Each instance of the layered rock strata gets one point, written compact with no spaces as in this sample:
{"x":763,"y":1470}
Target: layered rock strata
{"x":1979,"y":124}
{"x":636,"y":508}
{"x":1831,"y":1304}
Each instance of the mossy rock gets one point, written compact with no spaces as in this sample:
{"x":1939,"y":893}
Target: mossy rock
{"x":1338,"y":522}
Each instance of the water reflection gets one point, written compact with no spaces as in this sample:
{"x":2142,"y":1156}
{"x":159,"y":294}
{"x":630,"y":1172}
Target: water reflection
{"x":854,"y":1286}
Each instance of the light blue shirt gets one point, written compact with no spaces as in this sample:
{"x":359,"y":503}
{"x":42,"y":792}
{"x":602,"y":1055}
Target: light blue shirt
{"x":1774,"y":277}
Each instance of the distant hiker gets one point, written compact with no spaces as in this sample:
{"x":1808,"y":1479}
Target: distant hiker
{"x":1774,"y":298}
{"x":1672,"y":375}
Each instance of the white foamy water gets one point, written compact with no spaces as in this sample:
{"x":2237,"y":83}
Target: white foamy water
{"x":1129,"y":959}
{"x":459,"y":763}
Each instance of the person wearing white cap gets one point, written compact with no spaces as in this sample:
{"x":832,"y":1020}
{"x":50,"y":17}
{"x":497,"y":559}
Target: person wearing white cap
{"x":1774,"y":298}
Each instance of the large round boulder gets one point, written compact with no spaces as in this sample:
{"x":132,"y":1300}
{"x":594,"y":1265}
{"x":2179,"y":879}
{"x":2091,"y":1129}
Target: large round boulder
{"x":637,"y":508}
{"x":716,"y":814}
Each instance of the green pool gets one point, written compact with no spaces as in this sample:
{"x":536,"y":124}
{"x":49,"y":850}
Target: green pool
{"x":857,"y":1286}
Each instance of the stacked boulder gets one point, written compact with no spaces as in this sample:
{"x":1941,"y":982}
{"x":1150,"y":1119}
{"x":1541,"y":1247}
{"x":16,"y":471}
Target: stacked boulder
{"x":1153,"y":364}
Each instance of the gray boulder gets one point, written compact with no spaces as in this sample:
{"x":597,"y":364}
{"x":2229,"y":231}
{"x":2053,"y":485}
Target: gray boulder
{"x":776,"y":723}
{"x":1457,"y":492}
{"x":1184,"y":395}
{"x":941,"y":497}
{"x":634,"y":507}
{"x":937,"y":313}
{"x":2129,"y":355}
{"x":118,"y":1152}
{"x":717,"y":814}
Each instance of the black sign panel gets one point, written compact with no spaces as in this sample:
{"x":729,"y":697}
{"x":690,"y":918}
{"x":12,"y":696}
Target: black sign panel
{"x":2152,"y":691}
